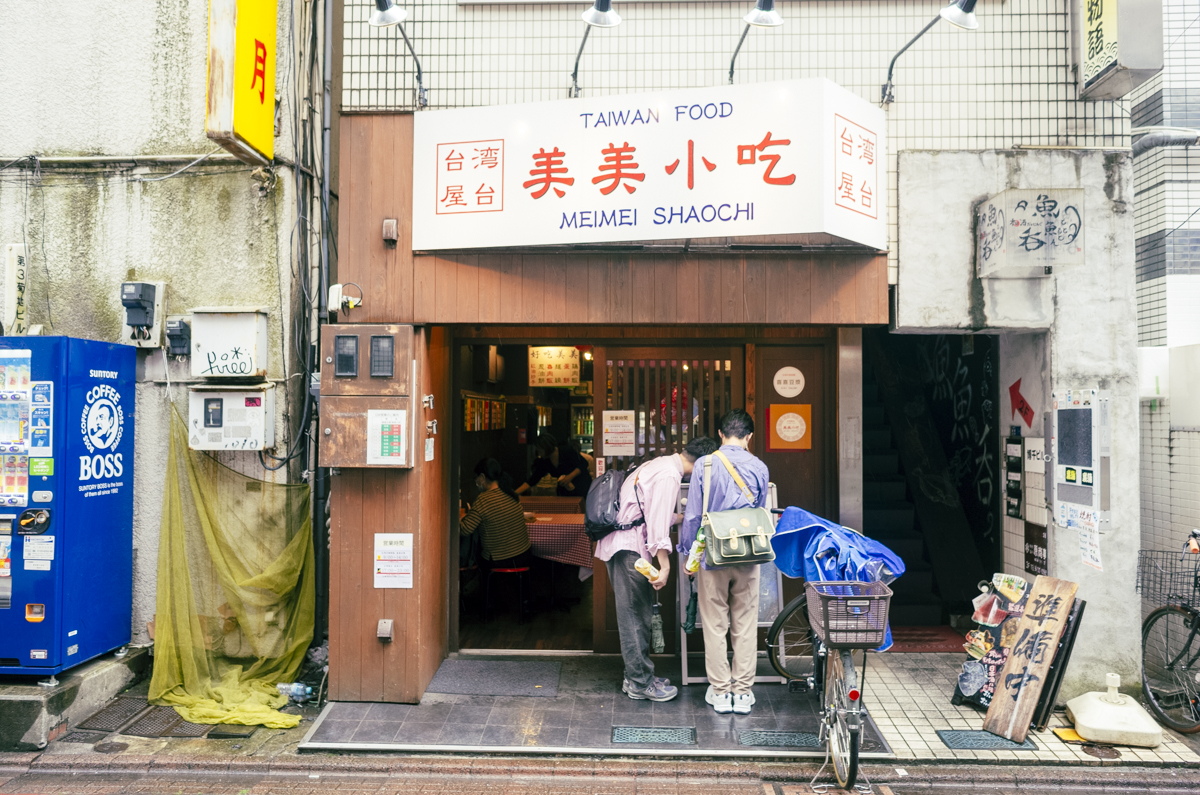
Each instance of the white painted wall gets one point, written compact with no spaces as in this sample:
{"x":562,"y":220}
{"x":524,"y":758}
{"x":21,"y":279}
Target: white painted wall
{"x":123,"y":79}
{"x":1088,"y":314}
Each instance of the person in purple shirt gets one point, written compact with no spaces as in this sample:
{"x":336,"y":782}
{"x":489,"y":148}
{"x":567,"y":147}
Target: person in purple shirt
{"x":728,"y":596}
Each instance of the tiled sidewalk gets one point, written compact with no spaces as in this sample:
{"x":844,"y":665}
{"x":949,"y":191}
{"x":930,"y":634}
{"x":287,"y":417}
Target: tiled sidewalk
{"x":909,"y":696}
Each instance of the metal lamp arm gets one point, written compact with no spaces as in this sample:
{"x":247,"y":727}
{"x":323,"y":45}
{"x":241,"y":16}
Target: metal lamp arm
{"x":887,"y":98}
{"x":421,"y":100}
{"x":575,"y":74}
{"x":736,"y":50}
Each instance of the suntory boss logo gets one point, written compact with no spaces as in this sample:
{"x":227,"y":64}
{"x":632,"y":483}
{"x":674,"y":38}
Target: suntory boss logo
{"x":101,"y":425}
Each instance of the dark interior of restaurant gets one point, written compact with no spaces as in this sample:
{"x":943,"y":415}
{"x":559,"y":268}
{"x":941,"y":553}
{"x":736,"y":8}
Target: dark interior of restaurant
{"x":549,"y":606}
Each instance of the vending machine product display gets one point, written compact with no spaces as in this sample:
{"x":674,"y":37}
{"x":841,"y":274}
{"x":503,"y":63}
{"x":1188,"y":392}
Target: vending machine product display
{"x":66,"y":501}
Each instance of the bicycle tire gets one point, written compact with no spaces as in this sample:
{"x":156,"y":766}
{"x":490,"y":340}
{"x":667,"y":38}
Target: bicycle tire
{"x":790,"y":641}
{"x":843,"y":740}
{"x":1170,"y":632}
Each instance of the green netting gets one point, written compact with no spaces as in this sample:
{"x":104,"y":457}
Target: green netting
{"x":236,"y":591}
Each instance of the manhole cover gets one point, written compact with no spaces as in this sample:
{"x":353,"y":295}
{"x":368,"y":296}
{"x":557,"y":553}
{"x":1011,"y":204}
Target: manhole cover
{"x":154,"y":723}
{"x":231,"y":731}
{"x":1100,"y":751}
{"x":780,"y":739}
{"x":645,"y":734}
{"x":115,"y":715}
{"x":961,"y":740}
{"x":81,"y":736}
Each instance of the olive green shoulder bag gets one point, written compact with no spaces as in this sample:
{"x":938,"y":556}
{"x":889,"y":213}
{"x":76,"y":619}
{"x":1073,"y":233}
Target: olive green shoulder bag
{"x":738,"y":537}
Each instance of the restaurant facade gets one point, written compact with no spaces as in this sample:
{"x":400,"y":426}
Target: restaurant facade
{"x":693,"y":250}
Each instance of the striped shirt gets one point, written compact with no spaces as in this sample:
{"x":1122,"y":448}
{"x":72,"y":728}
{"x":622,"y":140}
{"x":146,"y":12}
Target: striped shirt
{"x":505,"y":534}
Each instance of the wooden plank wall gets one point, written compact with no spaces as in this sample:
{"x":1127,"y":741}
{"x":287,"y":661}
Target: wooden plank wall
{"x":728,"y":288}
{"x":369,"y":501}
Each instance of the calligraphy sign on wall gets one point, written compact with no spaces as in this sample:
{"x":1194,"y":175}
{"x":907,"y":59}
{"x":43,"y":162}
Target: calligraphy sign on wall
{"x":553,"y":366}
{"x":1118,"y":45}
{"x":798,"y":157}
{"x":1021,"y":233}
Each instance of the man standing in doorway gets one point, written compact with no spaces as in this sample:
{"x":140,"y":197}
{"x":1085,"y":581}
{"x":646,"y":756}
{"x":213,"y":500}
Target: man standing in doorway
{"x":728,"y":596}
{"x":646,"y":514}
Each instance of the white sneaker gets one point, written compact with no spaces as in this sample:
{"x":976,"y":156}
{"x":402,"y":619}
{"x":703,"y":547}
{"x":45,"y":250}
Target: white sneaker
{"x":722,"y":703}
{"x":742,"y":702}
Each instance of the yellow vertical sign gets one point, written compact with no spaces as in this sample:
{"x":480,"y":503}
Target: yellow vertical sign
{"x":1100,"y":39}
{"x":241,"y":77}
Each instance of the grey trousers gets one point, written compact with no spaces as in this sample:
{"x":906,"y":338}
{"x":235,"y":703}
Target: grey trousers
{"x":635,"y":598}
{"x":729,"y":603}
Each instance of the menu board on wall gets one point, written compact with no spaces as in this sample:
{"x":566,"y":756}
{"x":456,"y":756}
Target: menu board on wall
{"x":554,"y":366}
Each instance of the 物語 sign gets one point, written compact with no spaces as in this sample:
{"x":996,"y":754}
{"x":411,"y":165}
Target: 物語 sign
{"x":801,"y":157}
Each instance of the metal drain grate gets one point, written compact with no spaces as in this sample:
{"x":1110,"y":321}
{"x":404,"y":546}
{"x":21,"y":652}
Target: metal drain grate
{"x":116,"y":714}
{"x":780,"y":739}
{"x":961,"y":740}
{"x":186,"y":729}
{"x":81,"y":736}
{"x":645,"y":734}
{"x":155,"y":723}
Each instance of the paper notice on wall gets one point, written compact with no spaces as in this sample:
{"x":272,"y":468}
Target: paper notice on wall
{"x":387,"y":443}
{"x":1089,"y":547}
{"x":1075,"y":517}
{"x":429,"y":449}
{"x":617,"y":428}
{"x":393,"y":564}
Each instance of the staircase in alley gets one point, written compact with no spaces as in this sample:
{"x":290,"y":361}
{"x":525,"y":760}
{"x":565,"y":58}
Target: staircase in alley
{"x":889,"y":516}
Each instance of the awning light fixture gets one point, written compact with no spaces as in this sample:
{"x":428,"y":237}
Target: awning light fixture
{"x":961,"y":14}
{"x":385,"y":15}
{"x":764,"y":15}
{"x":600,"y":15}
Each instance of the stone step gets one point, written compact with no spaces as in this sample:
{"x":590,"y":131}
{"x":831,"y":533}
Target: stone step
{"x":896,"y":516}
{"x":915,"y":611}
{"x":883,"y":489}
{"x":877,"y":440}
{"x":874,"y":417}
{"x":881,"y":464}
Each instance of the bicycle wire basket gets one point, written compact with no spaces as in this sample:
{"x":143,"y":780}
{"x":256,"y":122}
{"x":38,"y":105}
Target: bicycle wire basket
{"x":849,"y":615}
{"x":1169,"y":577}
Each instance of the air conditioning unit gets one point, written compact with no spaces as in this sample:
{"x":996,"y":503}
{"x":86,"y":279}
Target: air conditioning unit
{"x":222,"y":417}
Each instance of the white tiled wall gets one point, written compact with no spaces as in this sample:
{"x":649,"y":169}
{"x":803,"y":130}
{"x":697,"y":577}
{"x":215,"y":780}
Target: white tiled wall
{"x":1010,"y":82}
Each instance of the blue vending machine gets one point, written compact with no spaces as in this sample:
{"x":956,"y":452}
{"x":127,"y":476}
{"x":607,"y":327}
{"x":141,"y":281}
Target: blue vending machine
{"x":66,"y":501}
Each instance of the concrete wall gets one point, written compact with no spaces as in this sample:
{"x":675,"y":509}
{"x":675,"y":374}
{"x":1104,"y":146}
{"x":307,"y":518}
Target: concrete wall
{"x":1088,"y":312}
{"x":129,"y":79}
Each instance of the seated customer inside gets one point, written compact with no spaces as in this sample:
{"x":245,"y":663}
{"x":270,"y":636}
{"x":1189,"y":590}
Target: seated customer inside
{"x":560,"y":462}
{"x":498,"y":511}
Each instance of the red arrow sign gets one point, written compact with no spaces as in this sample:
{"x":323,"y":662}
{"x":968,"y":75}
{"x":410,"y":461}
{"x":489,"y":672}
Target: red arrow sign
{"x":1019,"y":404}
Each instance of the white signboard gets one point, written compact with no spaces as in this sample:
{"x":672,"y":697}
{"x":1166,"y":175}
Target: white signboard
{"x":393,"y":560}
{"x":554,"y":366}
{"x":618,"y":430}
{"x":783,"y":158}
{"x":788,"y":382}
{"x":1021,"y":233}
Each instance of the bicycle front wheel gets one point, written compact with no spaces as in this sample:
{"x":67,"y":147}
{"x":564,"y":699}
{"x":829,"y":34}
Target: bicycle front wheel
{"x":842,"y":729}
{"x":790,"y":641}
{"x":1170,"y":650}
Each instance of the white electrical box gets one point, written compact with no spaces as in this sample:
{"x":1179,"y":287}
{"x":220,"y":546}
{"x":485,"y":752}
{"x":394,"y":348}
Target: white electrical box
{"x":222,"y":417}
{"x":1081,"y":447}
{"x":229,"y":342}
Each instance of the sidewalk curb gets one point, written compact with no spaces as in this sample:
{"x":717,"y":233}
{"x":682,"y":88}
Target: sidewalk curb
{"x":923,"y":774}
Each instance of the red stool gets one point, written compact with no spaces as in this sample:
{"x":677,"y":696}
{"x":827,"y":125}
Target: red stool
{"x":520,"y":571}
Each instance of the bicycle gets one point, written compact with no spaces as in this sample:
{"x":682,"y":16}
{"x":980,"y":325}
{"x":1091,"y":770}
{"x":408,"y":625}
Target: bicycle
{"x":816,"y":646}
{"x":1171,"y":634}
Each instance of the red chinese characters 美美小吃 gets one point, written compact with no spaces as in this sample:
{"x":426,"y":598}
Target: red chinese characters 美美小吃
{"x":691,"y":170}
{"x":749,"y":154}
{"x":618,"y":160}
{"x":548,"y":168}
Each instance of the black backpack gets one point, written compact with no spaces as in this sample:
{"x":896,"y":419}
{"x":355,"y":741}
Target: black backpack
{"x":603,"y":503}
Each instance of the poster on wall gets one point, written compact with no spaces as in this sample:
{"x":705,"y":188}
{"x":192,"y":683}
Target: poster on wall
{"x":617,"y":429}
{"x":386,"y":438}
{"x":1037,"y":549}
{"x":393,"y":564}
{"x":789,"y":427}
{"x":554,"y":366}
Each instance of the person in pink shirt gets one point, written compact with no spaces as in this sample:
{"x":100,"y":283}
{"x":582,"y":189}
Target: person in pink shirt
{"x":646,"y":515}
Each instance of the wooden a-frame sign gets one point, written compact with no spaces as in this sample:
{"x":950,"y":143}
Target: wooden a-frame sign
{"x":1024,"y":674}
